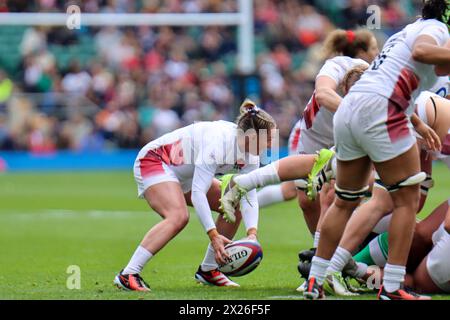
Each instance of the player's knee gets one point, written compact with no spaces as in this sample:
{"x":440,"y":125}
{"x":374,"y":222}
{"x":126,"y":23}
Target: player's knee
{"x":306,"y":204}
{"x":289,"y":193}
{"x":179,"y":221}
{"x":346,"y":204}
{"x":422,"y":233}
{"x":407,"y":197}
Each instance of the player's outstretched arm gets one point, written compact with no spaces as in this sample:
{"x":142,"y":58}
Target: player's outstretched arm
{"x":427,"y":50}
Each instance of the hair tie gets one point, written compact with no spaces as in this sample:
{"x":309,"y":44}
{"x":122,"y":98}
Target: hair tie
{"x":350,"y":36}
{"x":253,"y":110}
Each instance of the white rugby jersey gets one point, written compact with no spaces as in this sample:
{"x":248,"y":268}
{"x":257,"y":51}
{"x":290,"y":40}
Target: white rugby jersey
{"x":196,"y":154}
{"x":441,"y":87}
{"x":395,"y":74}
{"x":317,"y":121}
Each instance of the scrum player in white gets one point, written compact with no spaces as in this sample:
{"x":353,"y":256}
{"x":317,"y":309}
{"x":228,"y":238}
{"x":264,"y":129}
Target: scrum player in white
{"x":178,"y":169}
{"x":369,"y":216}
{"x":428,"y":265}
{"x":374,"y":125}
{"x":314,"y":131}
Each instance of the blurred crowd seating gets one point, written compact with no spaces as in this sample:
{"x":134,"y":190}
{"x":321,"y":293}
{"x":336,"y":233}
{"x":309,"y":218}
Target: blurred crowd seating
{"x":107,"y":88}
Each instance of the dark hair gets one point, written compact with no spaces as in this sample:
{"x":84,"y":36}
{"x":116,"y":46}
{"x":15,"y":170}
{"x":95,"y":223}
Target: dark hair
{"x":436,"y":9}
{"x":347,"y":43}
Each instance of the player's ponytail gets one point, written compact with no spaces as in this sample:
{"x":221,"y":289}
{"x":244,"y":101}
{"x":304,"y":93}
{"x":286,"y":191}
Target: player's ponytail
{"x":437,"y":9}
{"x":347,"y":42}
{"x":252,"y":117}
{"x":353,"y":75}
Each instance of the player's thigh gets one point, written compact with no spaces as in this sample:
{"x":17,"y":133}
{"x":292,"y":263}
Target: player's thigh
{"x":354,"y":174}
{"x":399,"y":168}
{"x":167,"y":199}
{"x":423,"y":282}
{"x":381,"y":201}
{"x":351,"y":179}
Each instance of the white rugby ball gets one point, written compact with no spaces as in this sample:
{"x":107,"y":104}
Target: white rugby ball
{"x":245,"y":256}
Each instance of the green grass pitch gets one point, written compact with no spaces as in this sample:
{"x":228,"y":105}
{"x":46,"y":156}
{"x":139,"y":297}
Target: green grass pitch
{"x":50,"y":221}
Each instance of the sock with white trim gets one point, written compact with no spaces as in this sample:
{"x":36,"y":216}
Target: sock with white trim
{"x":270,"y":195}
{"x":258,"y":178}
{"x":319,"y":268}
{"x":209,"y":261}
{"x":137,"y":262}
{"x":394,"y":276}
{"x":340,"y":258}
{"x":316,"y":239}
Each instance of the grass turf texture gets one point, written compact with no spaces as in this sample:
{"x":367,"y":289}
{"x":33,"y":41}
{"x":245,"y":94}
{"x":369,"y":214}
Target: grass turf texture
{"x":50,"y":221}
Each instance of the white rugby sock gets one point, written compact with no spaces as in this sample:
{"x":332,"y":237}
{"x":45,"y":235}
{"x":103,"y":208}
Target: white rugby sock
{"x":319,"y":268}
{"x":362,"y":269}
{"x":378,"y":249}
{"x":383,"y":224}
{"x":137,"y":262}
{"x":340,"y":258}
{"x":316,"y":239}
{"x":209,"y":261}
{"x":270,"y":195}
{"x":394,"y":276}
{"x":258,"y":178}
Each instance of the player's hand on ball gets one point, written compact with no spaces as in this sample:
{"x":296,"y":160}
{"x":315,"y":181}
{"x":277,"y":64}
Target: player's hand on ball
{"x":219,"y":242}
{"x":252,"y":237}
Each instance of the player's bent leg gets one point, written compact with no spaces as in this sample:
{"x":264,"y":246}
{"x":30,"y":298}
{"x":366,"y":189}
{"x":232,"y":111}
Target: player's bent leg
{"x":208,"y":273}
{"x":270,"y":195}
{"x":234,"y":187}
{"x":311,"y":211}
{"x":167,"y":199}
{"x":289,"y":190}
{"x":421,"y":280}
{"x":422,"y":240}
{"x":365,"y":218}
{"x":349,"y":191}
{"x":401,"y":177}
{"x":276,"y":193}
{"x":433,"y":274}
{"x":351,"y":184}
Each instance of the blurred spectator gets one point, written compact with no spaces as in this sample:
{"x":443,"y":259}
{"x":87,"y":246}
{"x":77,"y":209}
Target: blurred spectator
{"x":76,"y":81}
{"x":119,"y":87}
{"x":34,"y":40}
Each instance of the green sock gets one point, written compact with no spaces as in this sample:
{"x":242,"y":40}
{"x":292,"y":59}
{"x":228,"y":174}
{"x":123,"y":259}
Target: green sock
{"x":375,"y":253}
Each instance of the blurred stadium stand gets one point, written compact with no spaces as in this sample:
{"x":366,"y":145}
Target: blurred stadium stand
{"x":107,"y":88}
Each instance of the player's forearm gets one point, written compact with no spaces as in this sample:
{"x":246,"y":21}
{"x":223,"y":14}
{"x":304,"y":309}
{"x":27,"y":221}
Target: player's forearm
{"x":328,"y":98}
{"x":415,"y":120}
{"x":431,"y":54}
{"x":200,"y":203}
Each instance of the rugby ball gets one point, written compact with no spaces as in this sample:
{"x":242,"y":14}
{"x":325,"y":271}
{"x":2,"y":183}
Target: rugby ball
{"x":245,"y":256}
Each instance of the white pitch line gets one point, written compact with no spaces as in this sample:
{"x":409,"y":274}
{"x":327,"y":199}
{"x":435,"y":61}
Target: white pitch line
{"x":64,"y":213}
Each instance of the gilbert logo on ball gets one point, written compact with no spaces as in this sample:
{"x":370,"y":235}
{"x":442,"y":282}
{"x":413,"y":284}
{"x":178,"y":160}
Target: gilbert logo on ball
{"x":244,"y":257}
